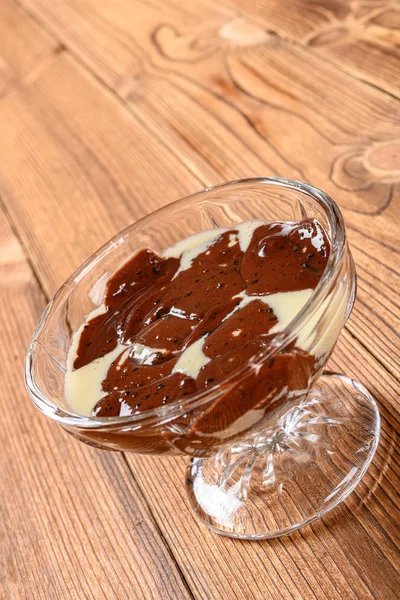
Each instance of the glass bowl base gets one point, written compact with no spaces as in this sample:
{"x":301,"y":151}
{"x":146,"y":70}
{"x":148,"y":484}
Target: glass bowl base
{"x":281,"y":479}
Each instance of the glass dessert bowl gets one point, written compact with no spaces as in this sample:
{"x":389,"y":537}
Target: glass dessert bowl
{"x":279,"y":462}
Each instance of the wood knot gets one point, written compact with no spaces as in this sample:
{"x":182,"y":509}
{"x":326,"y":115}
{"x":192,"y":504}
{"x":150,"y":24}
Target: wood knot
{"x":14,"y":270}
{"x":384,"y":158}
{"x":200,"y":42}
{"x":240,"y":32}
{"x":382,"y":30}
{"x":368,"y":171}
{"x":329,"y":37}
{"x":390,"y":19}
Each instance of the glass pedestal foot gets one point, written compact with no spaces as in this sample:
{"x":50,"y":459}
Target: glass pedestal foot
{"x":281,"y":479}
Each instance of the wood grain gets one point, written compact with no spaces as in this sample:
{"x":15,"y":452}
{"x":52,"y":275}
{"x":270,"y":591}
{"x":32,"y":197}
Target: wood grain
{"x":361,"y":37}
{"x":62,"y":533}
{"x":147,"y":101}
{"x":194,"y":84}
{"x":76,"y":170}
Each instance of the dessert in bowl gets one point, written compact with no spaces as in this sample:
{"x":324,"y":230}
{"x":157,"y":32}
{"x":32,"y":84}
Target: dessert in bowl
{"x":204,"y":329}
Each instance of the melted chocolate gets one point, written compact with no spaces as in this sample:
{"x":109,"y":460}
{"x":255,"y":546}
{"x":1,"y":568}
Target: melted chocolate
{"x":151,"y":303}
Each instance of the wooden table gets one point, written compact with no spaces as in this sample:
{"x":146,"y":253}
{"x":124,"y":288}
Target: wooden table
{"x":110,"y":109}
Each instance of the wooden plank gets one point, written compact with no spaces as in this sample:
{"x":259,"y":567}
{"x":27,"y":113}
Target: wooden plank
{"x":63,"y":534}
{"x":115,"y":41}
{"x":366,"y":47}
{"x":102,"y":187}
{"x":288,"y":94}
{"x":230,"y":100}
{"x":375,"y":318}
{"x":64,"y":112}
{"x":360,"y":37}
{"x":24,"y":46}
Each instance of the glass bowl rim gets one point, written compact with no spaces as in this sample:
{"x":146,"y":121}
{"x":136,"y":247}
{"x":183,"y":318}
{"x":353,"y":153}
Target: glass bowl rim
{"x":167,"y":412}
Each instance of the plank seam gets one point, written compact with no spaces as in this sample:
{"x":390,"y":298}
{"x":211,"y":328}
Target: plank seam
{"x":14,"y":229}
{"x":36,"y":72}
